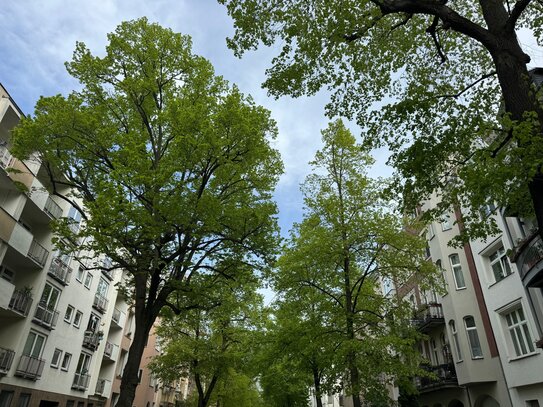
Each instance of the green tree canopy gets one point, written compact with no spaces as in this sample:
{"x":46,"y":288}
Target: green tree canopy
{"x":349,"y":242}
{"x":169,"y":165}
{"x":427,"y":79}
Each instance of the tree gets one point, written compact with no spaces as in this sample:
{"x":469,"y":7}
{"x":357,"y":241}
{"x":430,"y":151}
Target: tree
{"x":347,"y":244}
{"x":170,"y":167}
{"x":426,"y":78}
{"x":211,"y":346}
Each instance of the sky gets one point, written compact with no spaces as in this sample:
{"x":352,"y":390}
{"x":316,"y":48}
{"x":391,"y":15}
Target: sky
{"x":38,"y":36}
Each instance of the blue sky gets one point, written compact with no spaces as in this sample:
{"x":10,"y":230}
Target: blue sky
{"x":38,"y":36}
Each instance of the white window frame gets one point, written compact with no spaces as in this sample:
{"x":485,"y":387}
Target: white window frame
{"x":66,"y":359}
{"x":32,"y":351}
{"x":88,"y":281}
{"x":446,"y":222}
{"x":518,"y":330}
{"x":55,"y":359}
{"x":77,"y":318}
{"x":502,"y":261}
{"x":457,"y":270}
{"x":69,"y":315}
{"x":473,"y":338}
{"x":454,"y":334}
{"x":80,"y":274}
{"x":431,"y":232}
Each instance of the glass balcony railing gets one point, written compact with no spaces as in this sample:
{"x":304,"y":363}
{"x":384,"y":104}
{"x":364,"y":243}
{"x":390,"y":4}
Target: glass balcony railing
{"x":81,"y":381}
{"x":45,"y":316}
{"x":91,"y":340}
{"x":38,"y":253}
{"x":52,"y":208}
{"x":20,"y":302}
{"x":30,"y":367}
{"x":100,"y":302}
{"x":60,"y":271}
{"x":6,"y":359}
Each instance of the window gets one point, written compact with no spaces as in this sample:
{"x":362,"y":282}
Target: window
{"x":66,"y":361}
{"x":24,"y":400}
{"x":431,"y":231}
{"x":5,"y":398}
{"x":49,"y":297}
{"x":6,"y":274}
{"x":83,"y":363}
{"x":77,"y":319}
{"x":69,"y":313}
{"x":55,"y":360}
{"x":80,"y":273}
{"x":140,"y":373}
{"x":520,"y":334}
{"x":473,"y":338}
{"x":103,"y":287}
{"x":444,"y":284}
{"x":88,"y":280}
{"x":94,"y":323}
{"x":454,"y":333}
{"x":75,"y":219}
{"x":487,"y":210}
{"x":34,"y":344}
{"x":70,"y":403}
{"x":499,"y":264}
{"x":457,"y":271}
{"x":446,"y":222}
{"x":435,"y":353}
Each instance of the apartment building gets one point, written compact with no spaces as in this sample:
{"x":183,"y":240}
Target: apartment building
{"x":61,"y":322}
{"x":481,"y":333}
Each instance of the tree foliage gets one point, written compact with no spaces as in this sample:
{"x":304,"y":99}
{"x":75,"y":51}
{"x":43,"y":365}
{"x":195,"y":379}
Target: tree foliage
{"x":170,"y":166}
{"x":211,"y":346}
{"x":349,"y":242}
{"x":444,"y":85}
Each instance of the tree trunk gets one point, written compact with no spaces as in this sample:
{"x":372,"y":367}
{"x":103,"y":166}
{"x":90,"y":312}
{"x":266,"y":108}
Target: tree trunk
{"x":519,"y":98}
{"x":129,"y":381}
{"x":317,"y":384}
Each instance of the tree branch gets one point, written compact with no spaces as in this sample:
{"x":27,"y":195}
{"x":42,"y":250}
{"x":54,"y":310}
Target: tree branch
{"x":518,"y":8}
{"x":432,"y":30}
{"x":471,"y":85}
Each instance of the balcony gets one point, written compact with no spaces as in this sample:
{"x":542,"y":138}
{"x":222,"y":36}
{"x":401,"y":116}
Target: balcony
{"x":103,"y":387}
{"x":6,"y":359}
{"x":118,"y":318}
{"x":442,"y":376}
{"x":81,"y":381}
{"x":100,"y":302}
{"x":528,"y":257}
{"x":38,"y":253}
{"x":45,"y":317}
{"x":52,"y":208}
{"x":60,"y":271}
{"x":111,"y":351}
{"x":428,"y":317}
{"x":30,"y":367}
{"x":91,"y":340}
{"x":20,"y":302}
{"x":6,"y":158}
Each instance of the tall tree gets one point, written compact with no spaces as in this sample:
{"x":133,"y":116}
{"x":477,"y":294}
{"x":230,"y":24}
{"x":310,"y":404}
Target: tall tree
{"x":170,"y":167}
{"x":348,"y":243}
{"x":426,"y":78}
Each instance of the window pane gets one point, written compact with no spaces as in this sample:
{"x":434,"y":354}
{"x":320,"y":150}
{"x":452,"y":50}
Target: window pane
{"x":528,"y":337}
{"x":521,"y":340}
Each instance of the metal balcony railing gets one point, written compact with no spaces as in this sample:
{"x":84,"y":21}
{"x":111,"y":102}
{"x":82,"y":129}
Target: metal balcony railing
{"x":6,"y":359}
{"x":100,"y":302}
{"x":118,"y":317}
{"x":52,"y":208}
{"x":60,"y":271}
{"x":46,"y":317}
{"x":530,"y":255}
{"x":81,"y":381}
{"x":30,"y":367}
{"x":443,"y":375}
{"x":429,"y":316}
{"x":20,"y":302}
{"x":38,"y":253}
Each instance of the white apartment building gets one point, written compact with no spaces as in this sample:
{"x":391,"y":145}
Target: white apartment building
{"x":482,"y":334}
{"x":61,"y":322}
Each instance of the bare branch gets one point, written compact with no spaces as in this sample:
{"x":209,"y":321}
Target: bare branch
{"x":464,"y":90}
{"x":432,"y":30}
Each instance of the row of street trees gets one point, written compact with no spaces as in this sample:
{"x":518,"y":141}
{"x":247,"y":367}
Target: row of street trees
{"x":172,"y":170}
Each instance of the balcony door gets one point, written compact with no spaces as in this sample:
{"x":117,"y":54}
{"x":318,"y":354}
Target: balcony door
{"x":49,"y":297}
{"x":34,"y":345}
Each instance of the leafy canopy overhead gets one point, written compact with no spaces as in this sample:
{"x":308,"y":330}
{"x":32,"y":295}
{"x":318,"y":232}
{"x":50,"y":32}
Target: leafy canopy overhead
{"x":426,"y":78}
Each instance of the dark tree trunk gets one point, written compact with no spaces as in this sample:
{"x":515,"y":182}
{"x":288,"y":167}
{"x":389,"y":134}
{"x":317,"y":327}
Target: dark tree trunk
{"x":129,"y":381}
{"x":317,"y":384}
